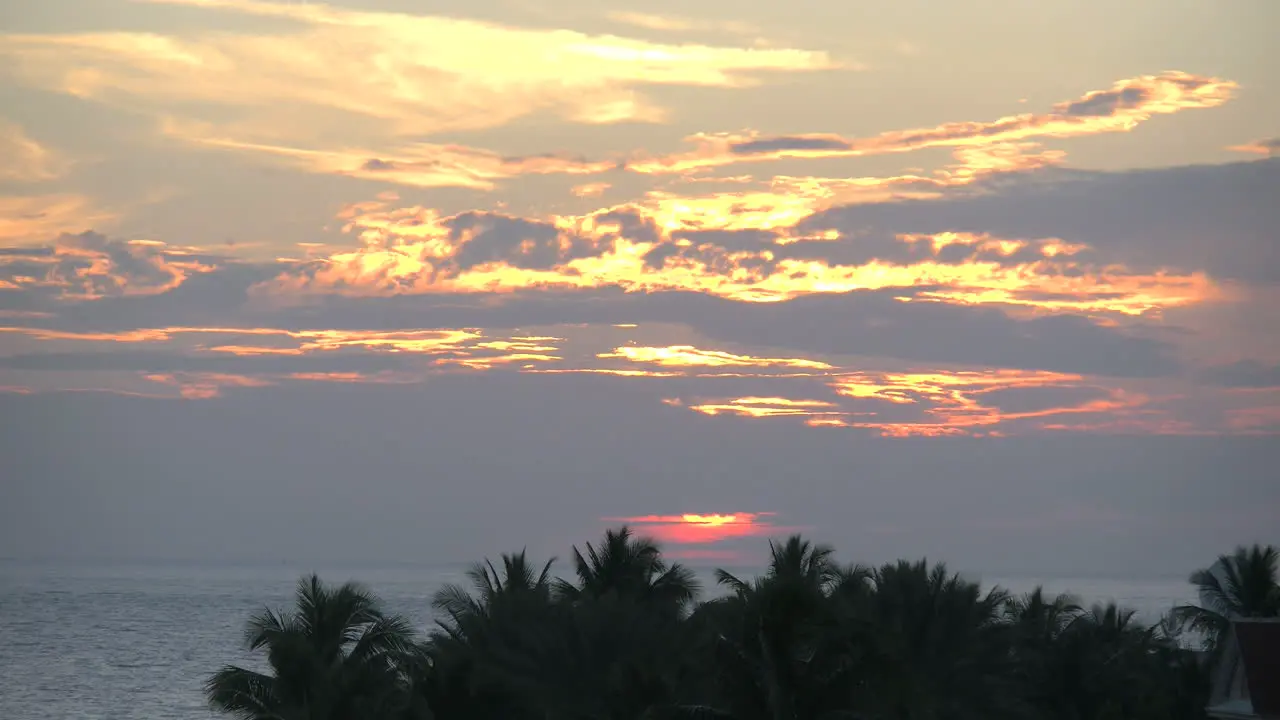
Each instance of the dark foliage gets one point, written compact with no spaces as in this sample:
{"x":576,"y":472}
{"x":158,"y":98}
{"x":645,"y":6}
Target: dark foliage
{"x":807,"y":640}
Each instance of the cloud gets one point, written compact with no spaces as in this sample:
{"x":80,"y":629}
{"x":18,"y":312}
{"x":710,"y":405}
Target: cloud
{"x":381,"y":75}
{"x":787,"y":200}
{"x":1243,"y":374}
{"x":640,"y":248}
{"x":1130,"y":102}
{"x":23,"y":159}
{"x":815,"y":412}
{"x":674,"y":23}
{"x":980,"y":150}
{"x":1215,"y":219}
{"x":203,"y":386}
{"x":1269,"y":146}
{"x":588,"y":190}
{"x":949,"y":402}
{"x":689,"y":356}
{"x":90,"y":266}
{"x":848,"y":392}
{"x":35,"y":219}
{"x":411,"y":164}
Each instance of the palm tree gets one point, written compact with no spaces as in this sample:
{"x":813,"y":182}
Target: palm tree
{"x":1039,"y":616}
{"x":518,"y":582}
{"x":608,"y":658}
{"x":335,"y":657}
{"x":942,"y":647}
{"x":1243,"y":584}
{"x":467,"y":673}
{"x":1107,"y":665}
{"x":774,"y":644}
{"x":508,"y":649}
{"x":1037,"y":622}
{"x":630,"y":566}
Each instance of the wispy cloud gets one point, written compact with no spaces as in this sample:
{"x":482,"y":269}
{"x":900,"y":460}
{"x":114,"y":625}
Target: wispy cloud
{"x":390,"y":74}
{"x":676,"y":23}
{"x":1127,"y":104}
{"x":852,"y":393}
{"x":414,"y":164}
{"x":949,"y":403}
{"x":1268,"y":146}
{"x":37,"y":219}
{"x":23,"y":159}
{"x":689,"y":356}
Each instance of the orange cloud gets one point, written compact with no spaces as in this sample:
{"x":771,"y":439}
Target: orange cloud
{"x":1269,"y":147}
{"x":943,"y":403}
{"x":1128,"y":103}
{"x":956,"y":398}
{"x":697,"y":529}
{"x":90,"y":266}
{"x":463,"y":348}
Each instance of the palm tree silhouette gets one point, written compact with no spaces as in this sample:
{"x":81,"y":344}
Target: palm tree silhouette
{"x":336,"y":656}
{"x":943,"y":649}
{"x":778,"y":646}
{"x":628,"y":566}
{"x":475,"y":658}
{"x":1242,"y":584}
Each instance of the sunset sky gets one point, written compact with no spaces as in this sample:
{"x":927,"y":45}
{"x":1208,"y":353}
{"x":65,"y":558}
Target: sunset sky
{"x":997,"y":282}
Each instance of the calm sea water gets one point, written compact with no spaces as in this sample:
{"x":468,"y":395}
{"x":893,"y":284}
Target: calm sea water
{"x":135,"y":642}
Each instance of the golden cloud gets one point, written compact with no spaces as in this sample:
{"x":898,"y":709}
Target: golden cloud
{"x":470,"y":349}
{"x":689,"y":356}
{"x":789,"y":199}
{"x":588,"y":190}
{"x":383,"y":74}
{"x":765,"y":407}
{"x":639,"y":248}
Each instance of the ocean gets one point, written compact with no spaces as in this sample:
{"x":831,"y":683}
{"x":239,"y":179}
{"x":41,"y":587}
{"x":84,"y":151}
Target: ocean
{"x":136,"y":641}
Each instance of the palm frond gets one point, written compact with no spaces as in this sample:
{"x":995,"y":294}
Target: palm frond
{"x":243,"y":694}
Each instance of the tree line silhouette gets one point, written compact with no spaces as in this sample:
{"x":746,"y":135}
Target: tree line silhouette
{"x":809,"y":639}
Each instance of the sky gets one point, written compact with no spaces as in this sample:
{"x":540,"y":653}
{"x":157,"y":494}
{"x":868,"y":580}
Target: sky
{"x":989,"y":282}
